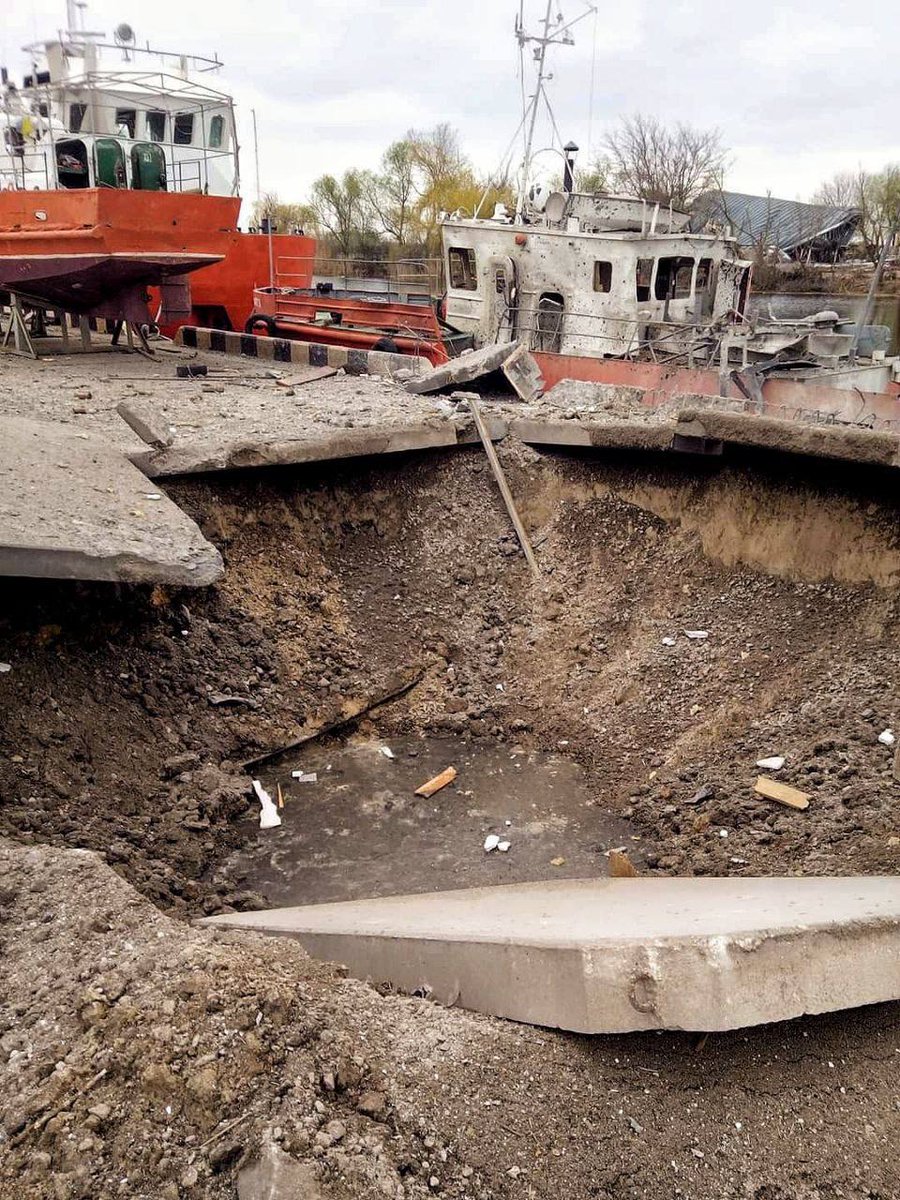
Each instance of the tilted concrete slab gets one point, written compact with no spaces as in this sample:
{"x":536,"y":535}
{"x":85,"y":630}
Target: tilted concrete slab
{"x":582,"y":432}
{"x":849,"y":443}
{"x":470,"y":365}
{"x":73,"y":507}
{"x":269,"y":439}
{"x":613,"y":955}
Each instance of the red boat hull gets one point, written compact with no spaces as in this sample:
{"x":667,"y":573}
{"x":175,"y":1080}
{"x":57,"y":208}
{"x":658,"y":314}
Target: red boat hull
{"x":660,"y":383}
{"x":140,"y":238}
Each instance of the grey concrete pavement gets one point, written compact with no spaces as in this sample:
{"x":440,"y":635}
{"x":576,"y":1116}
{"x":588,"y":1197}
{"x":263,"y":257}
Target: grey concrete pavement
{"x":613,"y":955}
{"x":72,"y":507}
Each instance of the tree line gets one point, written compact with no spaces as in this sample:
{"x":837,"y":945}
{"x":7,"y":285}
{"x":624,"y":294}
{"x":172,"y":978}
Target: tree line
{"x":394,"y":211}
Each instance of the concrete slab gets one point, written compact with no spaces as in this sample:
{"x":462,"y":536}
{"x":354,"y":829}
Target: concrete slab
{"x":613,"y":955}
{"x":851,"y":444}
{"x":72,"y":507}
{"x":202,"y":455}
{"x":271,"y":426}
{"x":469,"y":366}
{"x":583,"y":432}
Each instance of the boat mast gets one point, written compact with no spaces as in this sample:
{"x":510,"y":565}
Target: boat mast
{"x":559,"y":35}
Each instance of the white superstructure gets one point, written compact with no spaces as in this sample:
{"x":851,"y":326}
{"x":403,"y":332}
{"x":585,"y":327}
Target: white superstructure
{"x":99,"y":112}
{"x":592,"y":276}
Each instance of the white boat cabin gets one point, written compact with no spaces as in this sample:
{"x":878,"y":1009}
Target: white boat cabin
{"x":591,"y":276}
{"x":95,"y":113}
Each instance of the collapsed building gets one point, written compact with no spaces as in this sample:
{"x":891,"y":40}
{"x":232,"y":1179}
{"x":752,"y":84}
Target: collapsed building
{"x":788,"y":228}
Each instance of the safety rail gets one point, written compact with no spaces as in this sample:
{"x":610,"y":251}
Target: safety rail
{"x":403,"y":273}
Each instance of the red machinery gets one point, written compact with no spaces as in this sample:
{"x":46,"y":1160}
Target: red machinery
{"x":360,"y":320}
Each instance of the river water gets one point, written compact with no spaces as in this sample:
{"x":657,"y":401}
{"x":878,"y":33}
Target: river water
{"x":795,"y":305}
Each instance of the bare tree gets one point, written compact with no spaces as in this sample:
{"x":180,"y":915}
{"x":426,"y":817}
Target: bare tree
{"x":285,"y":217}
{"x":663,"y":164}
{"x":875,"y":195}
{"x":840,"y":191}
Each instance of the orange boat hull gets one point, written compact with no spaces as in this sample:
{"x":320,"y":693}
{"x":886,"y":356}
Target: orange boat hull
{"x":163,"y":234}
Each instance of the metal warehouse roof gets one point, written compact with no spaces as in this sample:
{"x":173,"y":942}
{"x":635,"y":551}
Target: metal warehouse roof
{"x":764,"y":220}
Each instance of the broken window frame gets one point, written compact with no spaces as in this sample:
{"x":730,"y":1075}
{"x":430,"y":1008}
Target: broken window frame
{"x":462,"y":269}
{"x":126,"y":117}
{"x":643,"y":279}
{"x":668,"y":281}
{"x":548,"y":323}
{"x":183,"y":129}
{"x":155,"y":124}
{"x":603,"y":271}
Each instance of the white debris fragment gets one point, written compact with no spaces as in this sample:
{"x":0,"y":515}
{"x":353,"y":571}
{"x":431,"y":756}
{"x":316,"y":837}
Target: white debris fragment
{"x":386,"y":751}
{"x":669,"y":641}
{"x":723,"y":833}
{"x":268,"y":813}
{"x":775,"y":763}
{"x":5,"y":667}
{"x":153,"y":495}
{"x":491,"y":842}
{"x":697,"y":634}
{"x":305,"y":776}
{"x":503,"y":846}
{"x":886,"y":737}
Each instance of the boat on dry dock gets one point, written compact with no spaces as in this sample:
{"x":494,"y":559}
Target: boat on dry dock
{"x":119,"y":172}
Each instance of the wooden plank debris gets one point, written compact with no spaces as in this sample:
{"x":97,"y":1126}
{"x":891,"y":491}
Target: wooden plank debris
{"x":438,"y":782}
{"x":772,"y":789}
{"x":502,"y":484}
{"x":352,"y":711}
{"x":621,"y":866}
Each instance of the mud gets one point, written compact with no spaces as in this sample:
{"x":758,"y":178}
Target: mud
{"x":113,"y":739}
{"x":359,"y":830}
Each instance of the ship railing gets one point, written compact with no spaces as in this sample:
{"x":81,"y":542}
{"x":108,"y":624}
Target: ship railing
{"x":399,"y":274}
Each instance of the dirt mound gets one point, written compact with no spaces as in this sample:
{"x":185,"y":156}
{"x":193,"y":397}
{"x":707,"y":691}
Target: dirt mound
{"x":126,"y":714}
{"x":146,"y":1059}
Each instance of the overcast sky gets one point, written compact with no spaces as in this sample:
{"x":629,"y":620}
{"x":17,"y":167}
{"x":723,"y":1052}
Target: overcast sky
{"x":799,"y":90}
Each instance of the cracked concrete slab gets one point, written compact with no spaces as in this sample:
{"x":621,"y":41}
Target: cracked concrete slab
{"x":73,"y":507}
{"x":614,"y":955}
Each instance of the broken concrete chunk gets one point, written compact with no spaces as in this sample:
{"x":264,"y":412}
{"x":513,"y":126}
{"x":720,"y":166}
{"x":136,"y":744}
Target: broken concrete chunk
{"x":469,"y":366}
{"x":149,"y":427}
{"x":524,"y":374}
{"x":773,"y":790}
{"x":612,"y":955}
{"x":72,"y":507}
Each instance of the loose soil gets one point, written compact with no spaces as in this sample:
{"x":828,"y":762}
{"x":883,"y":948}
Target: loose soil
{"x":342,"y":581}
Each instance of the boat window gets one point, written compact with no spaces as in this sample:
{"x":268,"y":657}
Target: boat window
{"x":184,"y":129}
{"x":643,"y":273}
{"x":148,"y":167}
{"x":216,"y":131}
{"x":76,"y":117}
{"x":72,"y":163}
{"x":126,"y":122}
{"x":549,"y":323}
{"x":156,"y":126}
{"x":15,"y":141}
{"x":602,"y":276}
{"x":109,"y":163}
{"x":673,"y":278}
{"x":463,"y":274}
{"x":704,"y":274}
